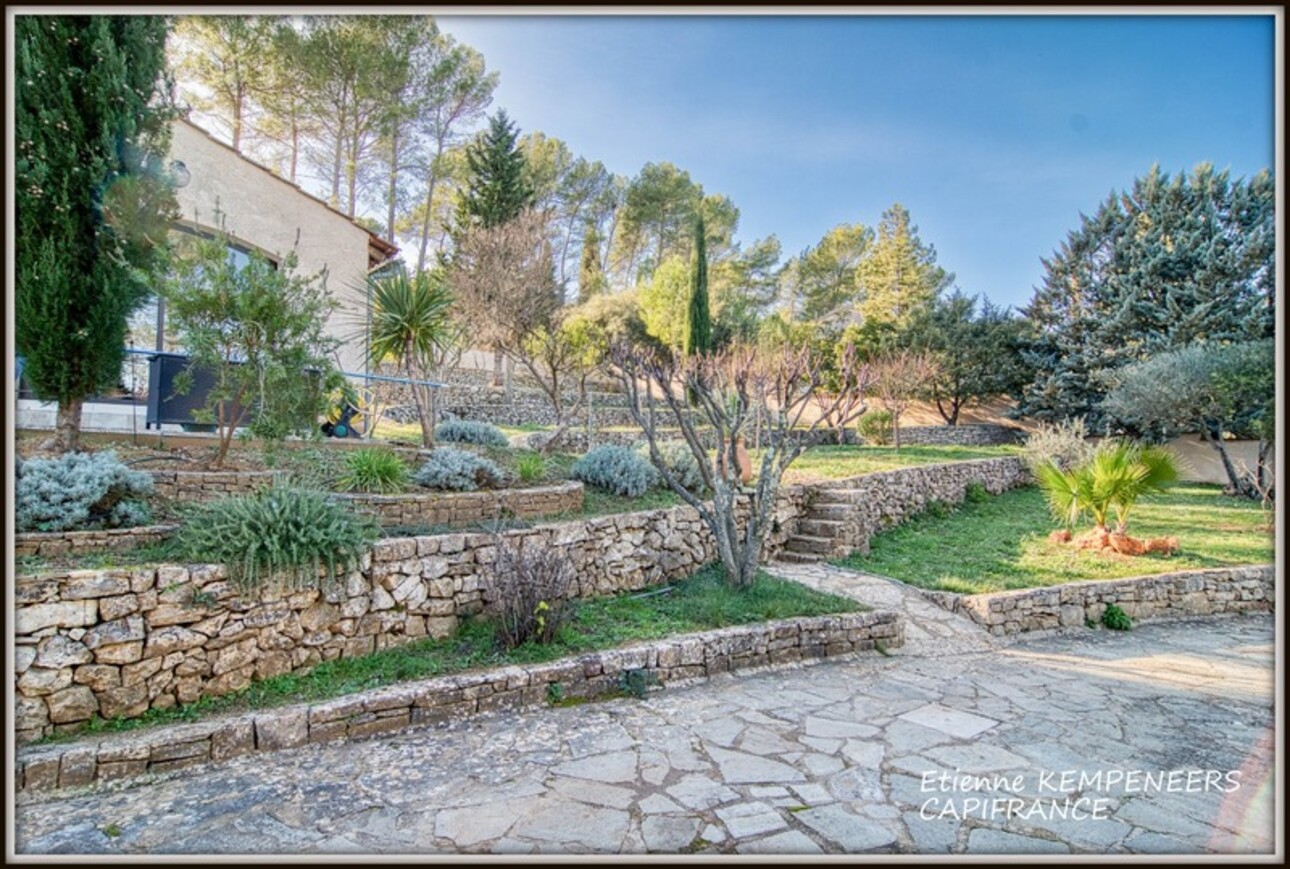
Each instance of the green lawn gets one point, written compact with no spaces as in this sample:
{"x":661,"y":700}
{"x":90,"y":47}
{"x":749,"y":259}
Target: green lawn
{"x":1001,"y":543}
{"x":836,"y":463}
{"x":699,"y":603}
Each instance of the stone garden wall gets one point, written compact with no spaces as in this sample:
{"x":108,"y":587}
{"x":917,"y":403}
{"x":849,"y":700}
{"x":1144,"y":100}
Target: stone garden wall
{"x":450,"y":698}
{"x":982,"y":435}
{"x":1189,"y":593}
{"x":874,"y":502}
{"x":118,"y":642}
{"x":52,"y":543}
{"x":208,"y":485}
{"x":446,"y":508}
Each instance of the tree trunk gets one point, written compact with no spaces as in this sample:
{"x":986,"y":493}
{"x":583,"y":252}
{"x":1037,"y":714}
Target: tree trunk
{"x":295,"y":146}
{"x":67,"y":426}
{"x":895,"y":429}
{"x":497,"y":368}
{"x":1239,"y":486}
{"x":394,"y":184}
{"x":429,"y":212}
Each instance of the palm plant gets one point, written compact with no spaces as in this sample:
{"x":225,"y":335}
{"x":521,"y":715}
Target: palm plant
{"x":1112,"y":481}
{"x":411,"y":326}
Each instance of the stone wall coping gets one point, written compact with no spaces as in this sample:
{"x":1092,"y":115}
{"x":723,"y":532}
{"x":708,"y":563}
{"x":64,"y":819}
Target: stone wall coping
{"x":893,"y":473}
{"x":680,"y":658}
{"x":95,"y":534}
{"x":561,"y":488}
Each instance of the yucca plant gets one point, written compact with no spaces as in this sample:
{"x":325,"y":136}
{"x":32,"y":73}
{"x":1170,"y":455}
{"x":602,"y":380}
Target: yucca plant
{"x":374,"y":470}
{"x":1112,"y":481}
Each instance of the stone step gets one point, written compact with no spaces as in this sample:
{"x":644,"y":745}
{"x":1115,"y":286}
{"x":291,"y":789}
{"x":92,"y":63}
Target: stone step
{"x":792,"y":557}
{"x":820,"y":527}
{"x":829,"y":512}
{"x":809,"y":544}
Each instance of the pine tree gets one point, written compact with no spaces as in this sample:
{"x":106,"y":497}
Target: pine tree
{"x":93,"y":205}
{"x":591,"y":277}
{"x":698,"y":335}
{"x":499,"y":189}
{"x":898,"y":275}
{"x":1172,"y":261}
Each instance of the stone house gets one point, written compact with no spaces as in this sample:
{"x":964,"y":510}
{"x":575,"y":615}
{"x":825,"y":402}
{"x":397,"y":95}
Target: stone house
{"x":263,"y":212}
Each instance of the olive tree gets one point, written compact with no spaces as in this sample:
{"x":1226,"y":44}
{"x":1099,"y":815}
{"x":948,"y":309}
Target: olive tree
{"x":730,"y":388}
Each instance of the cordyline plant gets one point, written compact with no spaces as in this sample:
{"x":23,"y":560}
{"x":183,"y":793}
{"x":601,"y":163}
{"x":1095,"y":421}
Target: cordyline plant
{"x":730,"y":388}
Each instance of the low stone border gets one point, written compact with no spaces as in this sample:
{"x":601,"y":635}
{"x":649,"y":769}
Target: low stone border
{"x":51,"y":543}
{"x":1186,"y":593}
{"x":451,"y":698}
{"x":208,"y":485}
{"x":450,"y":508}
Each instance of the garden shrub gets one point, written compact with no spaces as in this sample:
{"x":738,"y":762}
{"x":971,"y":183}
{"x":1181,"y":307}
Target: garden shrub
{"x":457,"y":471}
{"x":374,"y":470}
{"x":277,"y":535}
{"x":80,"y":491}
{"x":875,"y":427}
{"x":465,"y":431}
{"x":938,"y":509}
{"x":976,"y":493}
{"x":530,"y":466}
{"x":1064,"y":444}
{"x":616,"y":469}
{"x":528,"y":593}
{"x":1115,"y":618}
{"x":680,"y":463}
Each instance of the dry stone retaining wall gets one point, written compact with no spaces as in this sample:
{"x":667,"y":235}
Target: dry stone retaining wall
{"x":449,"y":698}
{"x":976,"y":435}
{"x":1188,"y":593}
{"x":208,"y":485}
{"x":53,"y":543}
{"x":874,"y":502}
{"x":447,"y":508}
{"x":119,"y":642}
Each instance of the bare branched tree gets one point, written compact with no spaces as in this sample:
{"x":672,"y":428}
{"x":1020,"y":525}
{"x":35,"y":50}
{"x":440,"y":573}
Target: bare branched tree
{"x":730,"y":389}
{"x":504,"y":280}
{"x":899,"y":377}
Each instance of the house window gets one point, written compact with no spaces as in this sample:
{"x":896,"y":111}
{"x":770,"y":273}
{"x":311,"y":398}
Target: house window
{"x":146,"y":327}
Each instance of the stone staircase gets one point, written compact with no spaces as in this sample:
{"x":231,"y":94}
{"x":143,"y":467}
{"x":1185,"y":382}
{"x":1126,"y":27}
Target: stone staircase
{"x":819,"y":534}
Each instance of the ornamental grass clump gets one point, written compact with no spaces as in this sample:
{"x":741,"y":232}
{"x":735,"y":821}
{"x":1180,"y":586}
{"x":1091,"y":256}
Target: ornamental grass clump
{"x":465,"y":431}
{"x":80,"y":491}
{"x":375,"y":471}
{"x":284,"y":536}
{"x":616,"y":469}
{"x":458,"y":471}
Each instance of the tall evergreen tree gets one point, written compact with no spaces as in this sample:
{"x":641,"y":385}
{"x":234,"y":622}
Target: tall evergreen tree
{"x":1172,"y":261}
{"x":698,"y":334}
{"x":898,"y":274}
{"x":499,"y":187}
{"x":591,"y":277}
{"x":93,"y":203}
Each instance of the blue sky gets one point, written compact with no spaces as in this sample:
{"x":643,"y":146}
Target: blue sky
{"x":994,"y":131}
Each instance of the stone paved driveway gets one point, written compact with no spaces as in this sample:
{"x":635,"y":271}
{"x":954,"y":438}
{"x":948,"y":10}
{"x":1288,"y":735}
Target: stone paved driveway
{"x":837,"y":757}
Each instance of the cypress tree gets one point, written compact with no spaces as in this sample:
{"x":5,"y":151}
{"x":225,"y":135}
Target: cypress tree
{"x":93,"y":206}
{"x":698,"y":337}
{"x":498,"y":190}
{"x":591,"y":277}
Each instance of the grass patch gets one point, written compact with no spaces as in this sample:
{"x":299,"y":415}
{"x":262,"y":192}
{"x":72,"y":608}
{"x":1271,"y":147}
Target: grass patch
{"x":1002,"y":543}
{"x":699,"y":603}
{"x":840,"y":462}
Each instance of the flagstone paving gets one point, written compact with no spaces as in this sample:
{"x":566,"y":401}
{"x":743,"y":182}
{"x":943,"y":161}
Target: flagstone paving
{"x":829,"y":758}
